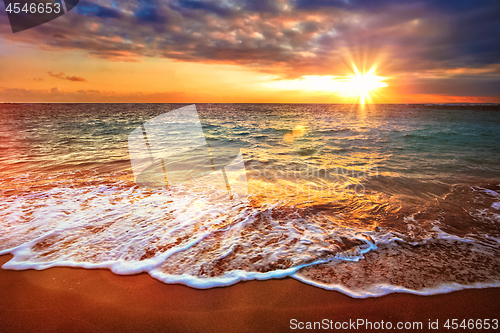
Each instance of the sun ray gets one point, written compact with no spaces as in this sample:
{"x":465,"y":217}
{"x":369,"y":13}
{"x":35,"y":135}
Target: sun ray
{"x":359,"y":87}
{"x":363,"y":84}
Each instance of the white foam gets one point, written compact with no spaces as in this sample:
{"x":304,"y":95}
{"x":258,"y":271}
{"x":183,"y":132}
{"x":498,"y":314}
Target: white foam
{"x":384,"y":289}
{"x":228,"y":279}
{"x":174,"y":236}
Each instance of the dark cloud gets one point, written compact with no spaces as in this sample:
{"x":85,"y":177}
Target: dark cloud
{"x":352,"y":5}
{"x":262,"y":6}
{"x":65,"y":77}
{"x":214,"y":7}
{"x":149,"y":11}
{"x":93,"y":9}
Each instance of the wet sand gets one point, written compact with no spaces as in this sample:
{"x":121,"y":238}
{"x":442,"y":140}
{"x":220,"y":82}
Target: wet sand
{"x":80,"y":300}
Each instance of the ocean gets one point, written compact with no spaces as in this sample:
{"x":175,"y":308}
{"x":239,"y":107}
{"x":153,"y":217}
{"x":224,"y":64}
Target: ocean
{"x":366,"y":200}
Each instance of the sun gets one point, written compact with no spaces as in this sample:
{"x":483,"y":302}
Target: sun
{"x":359,"y":87}
{"x":362,"y":85}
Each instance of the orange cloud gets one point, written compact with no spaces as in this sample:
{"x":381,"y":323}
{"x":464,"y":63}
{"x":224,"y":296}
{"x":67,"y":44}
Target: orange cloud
{"x":69,"y":78}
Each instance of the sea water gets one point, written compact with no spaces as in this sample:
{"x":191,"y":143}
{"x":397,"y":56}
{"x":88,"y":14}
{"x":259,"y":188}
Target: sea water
{"x":366,"y":200}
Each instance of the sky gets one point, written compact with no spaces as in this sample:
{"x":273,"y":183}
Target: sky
{"x":249,"y":51}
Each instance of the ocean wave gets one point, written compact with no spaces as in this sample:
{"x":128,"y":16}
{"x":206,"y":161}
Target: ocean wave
{"x":363,"y":246}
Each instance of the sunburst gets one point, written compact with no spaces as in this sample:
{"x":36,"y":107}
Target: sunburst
{"x":362,"y":85}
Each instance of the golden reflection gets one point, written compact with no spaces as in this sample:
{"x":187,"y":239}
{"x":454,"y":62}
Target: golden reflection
{"x":298,"y":131}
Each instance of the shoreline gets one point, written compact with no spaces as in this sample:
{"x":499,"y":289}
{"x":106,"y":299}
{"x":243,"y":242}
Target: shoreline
{"x":90,"y":300}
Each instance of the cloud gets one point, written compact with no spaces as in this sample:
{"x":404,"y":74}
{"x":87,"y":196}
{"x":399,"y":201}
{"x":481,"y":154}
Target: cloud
{"x":59,"y":76}
{"x":214,"y":7}
{"x":294,"y":35}
{"x":289,"y":38}
{"x":76,"y":79}
{"x":150,"y":12}
{"x":69,"y":78}
{"x":93,"y":9}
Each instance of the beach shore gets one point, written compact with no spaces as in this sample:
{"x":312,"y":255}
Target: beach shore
{"x":82,"y":300}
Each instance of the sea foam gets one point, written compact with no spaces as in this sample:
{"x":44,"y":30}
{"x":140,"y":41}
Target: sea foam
{"x":204,"y":240}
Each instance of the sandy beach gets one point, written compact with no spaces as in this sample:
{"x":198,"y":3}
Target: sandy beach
{"x":79,"y":300}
